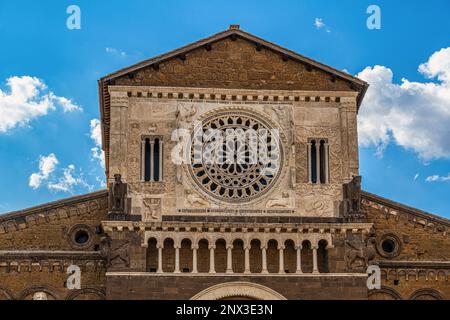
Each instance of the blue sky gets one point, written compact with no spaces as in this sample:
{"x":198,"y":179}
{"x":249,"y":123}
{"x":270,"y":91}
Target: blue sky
{"x":407,"y":161}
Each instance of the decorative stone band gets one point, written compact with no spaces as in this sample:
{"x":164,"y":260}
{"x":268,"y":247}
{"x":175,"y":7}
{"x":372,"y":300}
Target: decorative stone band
{"x":229,"y":227}
{"x":57,"y":210}
{"x":415,"y":270}
{"x":51,"y":261}
{"x":234,"y":95}
{"x":400,"y":212}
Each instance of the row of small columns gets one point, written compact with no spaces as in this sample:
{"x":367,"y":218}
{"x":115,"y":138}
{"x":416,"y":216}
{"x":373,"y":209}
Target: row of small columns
{"x":230,"y":259}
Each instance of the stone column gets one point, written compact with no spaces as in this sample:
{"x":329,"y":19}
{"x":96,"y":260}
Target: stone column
{"x":315,"y":268}
{"x":194,"y":258}
{"x":143,"y":159}
{"x":309,"y":163}
{"x":264,"y":259}
{"x":327,"y":170}
{"x":299,"y":259}
{"x":177,"y":259}
{"x":229,"y":258}
{"x":160,"y":160}
{"x":318,"y":160}
{"x":160,"y":269}
{"x":247,"y":259}
{"x":281,"y":258}
{"x":212,"y":268}
{"x":152,"y":163}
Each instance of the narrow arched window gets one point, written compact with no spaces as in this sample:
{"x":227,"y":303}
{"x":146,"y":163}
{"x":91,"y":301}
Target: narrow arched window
{"x":318,"y":170}
{"x":152,"y":159}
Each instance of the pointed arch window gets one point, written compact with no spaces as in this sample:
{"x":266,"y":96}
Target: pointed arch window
{"x":318,"y":156}
{"x":152,"y":159}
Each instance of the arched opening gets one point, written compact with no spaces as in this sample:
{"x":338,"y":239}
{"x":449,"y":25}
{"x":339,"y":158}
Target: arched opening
{"x":241,"y":290}
{"x":156,"y":158}
{"x":168,"y":256}
{"x":313,"y":162}
{"x":322,"y":161}
{"x":238,"y":255}
{"x":186,"y":256}
{"x":307,"y":257}
{"x":152,"y":256}
{"x":203,"y":256}
{"x":322,"y":257}
{"x":147,"y":160}
{"x":290,"y":257}
{"x":273,"y":262}
{"x":220,"y":256}
{"x":255,"y":256}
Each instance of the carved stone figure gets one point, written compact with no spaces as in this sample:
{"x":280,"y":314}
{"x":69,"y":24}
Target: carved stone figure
{"x":185,"y":113}
{"x":105,"y":249}
{"x":366,"y":252}
{"x":117,"y":195}
{"x":284,"y":202}
{"x":153,"y":206}
{"x":352,"y":197}
{"x":194,"y":200}
{"x":120,"y":257}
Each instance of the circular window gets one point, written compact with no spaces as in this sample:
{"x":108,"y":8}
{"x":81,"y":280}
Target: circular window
{"x":80,"y":236}
{"x":389,"y":246}
{"x":235,"y":156}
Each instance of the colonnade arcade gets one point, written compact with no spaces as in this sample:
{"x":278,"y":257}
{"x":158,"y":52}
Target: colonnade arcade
{"x":237,"y":253}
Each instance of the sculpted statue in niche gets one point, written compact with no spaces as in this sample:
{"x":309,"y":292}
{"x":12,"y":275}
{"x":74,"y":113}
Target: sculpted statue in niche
{"x":153,"y":206}
{"x":364,"y":252}
{"x":194,"y":200}
{"x":117,"y":195}
{"x":284,"y":202}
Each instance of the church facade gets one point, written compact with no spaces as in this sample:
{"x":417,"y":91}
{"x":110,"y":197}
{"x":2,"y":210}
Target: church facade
{"x":233,"y":173}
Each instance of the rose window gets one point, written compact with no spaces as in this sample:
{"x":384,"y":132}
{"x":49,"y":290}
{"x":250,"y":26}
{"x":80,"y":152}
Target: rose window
{"x":235,"y":157}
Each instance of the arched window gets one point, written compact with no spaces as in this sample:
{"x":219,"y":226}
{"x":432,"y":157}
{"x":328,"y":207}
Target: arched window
{"x":152,"y":255}
{"x":322,"y":257}
{"x":152,"y":159}
{"x":318,"y":169}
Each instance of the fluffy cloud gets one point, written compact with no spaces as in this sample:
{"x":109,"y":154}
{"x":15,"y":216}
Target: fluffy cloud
{"x":47,"y":165}
{"x":48,"y":176}
{"x":96,"y":136}
{"x":437,"y":178}
{"x":28,"y":98}
{"x":319,"y":24}
{"x":414,"y":115}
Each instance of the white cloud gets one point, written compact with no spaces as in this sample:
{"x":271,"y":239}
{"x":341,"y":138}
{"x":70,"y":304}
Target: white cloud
{"x":437,"y":178}
{"x":414,"y":115}
{"x":416,"y":176}
{"x":116,"y":51}
{"x":47,"y":176}
{"x":96,"y":135}
{"x":319,"y":24}
{"x":28,"y":98}
{"x":68,"y":181}
{"x":47,"y":165}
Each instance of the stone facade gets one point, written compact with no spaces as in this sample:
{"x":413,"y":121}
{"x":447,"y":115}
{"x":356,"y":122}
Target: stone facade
{"x":187,"y":230}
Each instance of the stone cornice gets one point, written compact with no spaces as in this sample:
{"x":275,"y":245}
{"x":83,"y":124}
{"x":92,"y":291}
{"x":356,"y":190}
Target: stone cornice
{"x":392,"y":209}
{"x":415,"y":264}
{"x":232,"y":95}
{"x":236,"y":227}
{"x":60,"y":209}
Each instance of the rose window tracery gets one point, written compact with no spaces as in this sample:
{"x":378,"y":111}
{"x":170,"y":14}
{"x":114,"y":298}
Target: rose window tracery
{"x":235,"y":156}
